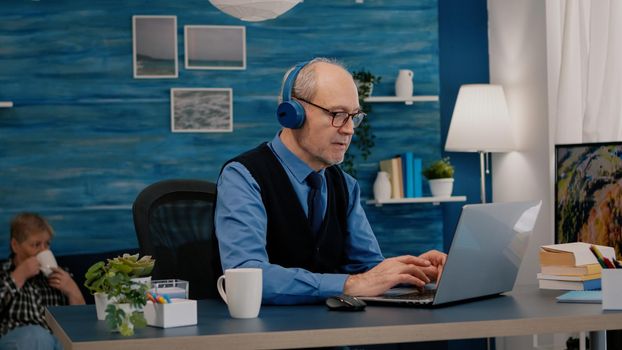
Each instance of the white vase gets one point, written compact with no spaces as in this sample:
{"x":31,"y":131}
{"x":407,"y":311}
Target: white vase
{"x":441,"y":187}
{"x":382,"y":186}
{"x":101,"y":303}
{"x":404,"y":83}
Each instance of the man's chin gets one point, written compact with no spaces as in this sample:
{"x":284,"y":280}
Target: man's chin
{"x":339,"y":161}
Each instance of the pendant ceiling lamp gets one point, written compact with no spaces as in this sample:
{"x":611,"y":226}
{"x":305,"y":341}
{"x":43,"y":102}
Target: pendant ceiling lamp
{"x":254,"y":10}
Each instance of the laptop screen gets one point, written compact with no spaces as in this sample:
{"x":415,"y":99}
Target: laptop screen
{"x":487,"y":250}
{"x":484,"y":257}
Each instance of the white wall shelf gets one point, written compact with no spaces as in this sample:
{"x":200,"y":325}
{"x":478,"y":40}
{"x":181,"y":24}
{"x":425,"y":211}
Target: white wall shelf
{"x":433,"y":200}
{"x":6,"y":104}
{"x":407,"y":100}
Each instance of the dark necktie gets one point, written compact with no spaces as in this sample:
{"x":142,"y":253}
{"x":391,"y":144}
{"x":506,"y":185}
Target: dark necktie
{"x":314,"y":201}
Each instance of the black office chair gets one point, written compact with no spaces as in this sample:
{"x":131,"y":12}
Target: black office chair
{"x":174,"y":222}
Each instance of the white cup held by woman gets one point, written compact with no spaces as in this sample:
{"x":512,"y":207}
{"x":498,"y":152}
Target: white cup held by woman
{"x":47,"y":261}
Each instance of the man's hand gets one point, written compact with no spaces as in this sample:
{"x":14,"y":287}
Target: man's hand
{"x":61,"y":280}
{"x":406,"y":269}
{"x":437,"y":261}
{"x":25,"y":270}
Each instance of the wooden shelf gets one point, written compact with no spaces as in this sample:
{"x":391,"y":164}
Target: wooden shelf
{"x":6,"y":104}
{"x":407,"y":100}
{"x":433,"y":200}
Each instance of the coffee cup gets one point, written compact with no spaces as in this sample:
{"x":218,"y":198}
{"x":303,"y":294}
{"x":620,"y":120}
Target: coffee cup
{"x":243,"y":291}
{"x":47,"y":261}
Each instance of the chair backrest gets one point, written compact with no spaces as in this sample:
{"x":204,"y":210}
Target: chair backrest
{"x":174,"y":222}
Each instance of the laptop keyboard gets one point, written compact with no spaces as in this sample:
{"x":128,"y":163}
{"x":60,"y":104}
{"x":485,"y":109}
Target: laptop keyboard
{"x":424,"y":295}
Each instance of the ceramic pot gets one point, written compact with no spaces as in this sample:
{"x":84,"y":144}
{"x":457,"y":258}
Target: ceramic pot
{"x":101,"y":303}
{"x":128,"y":309}
{"x":144,"y":280}
{"x":404,"y":83}
{"x":441,"y":187}
{"x":370,"y":85}
{"x":382,"y":186}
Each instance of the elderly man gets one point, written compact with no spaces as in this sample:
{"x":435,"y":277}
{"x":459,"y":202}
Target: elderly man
{"x":287,"y":208}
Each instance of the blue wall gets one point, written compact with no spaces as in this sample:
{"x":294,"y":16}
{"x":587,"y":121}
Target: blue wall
{"x":463,"y":47}
{"x":85,"y":137}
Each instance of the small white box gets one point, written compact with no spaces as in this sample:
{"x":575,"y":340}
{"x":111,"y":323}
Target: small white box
{"x":174,"y":288}
{"x":180,"y":312}
{"x":611,"y":282}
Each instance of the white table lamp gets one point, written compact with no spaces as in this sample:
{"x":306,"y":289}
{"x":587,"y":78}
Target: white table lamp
{"x":480,"y":123}
{"x":254,"y":10}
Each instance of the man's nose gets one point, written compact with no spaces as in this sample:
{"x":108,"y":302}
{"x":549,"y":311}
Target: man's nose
{"x":348,"y":127}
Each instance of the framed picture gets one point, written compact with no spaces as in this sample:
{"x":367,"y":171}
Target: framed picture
{"x":155,"y":46}
{"x":588,"y":194}
{"x":215,"y":47}
{"x":201,"y":110}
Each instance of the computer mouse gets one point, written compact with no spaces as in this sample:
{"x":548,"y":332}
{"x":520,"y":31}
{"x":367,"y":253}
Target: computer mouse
{"x":345,"y":303}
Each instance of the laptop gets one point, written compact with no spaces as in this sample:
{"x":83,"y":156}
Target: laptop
{"x":484,"y":257}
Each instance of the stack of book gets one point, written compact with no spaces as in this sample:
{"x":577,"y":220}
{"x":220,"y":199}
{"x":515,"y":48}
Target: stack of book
{"x":570,"y":266}
{"x":404,"y":174}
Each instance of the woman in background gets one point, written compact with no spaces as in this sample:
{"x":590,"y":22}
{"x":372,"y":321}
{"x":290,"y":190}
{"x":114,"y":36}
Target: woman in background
{"x":25,"y":291}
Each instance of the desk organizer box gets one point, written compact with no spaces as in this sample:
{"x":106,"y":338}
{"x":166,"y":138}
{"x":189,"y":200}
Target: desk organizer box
{"x":174,"y":288}
{"x":180,"y":312}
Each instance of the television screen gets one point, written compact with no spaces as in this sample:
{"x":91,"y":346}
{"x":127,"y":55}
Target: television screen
{"x":588,"y":194}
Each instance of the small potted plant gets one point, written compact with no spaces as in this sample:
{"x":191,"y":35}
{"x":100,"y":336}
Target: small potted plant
{"x":125,"y":313}
{"x":112,"y":281}
{"x":440,"y":177}
{"x":365,"y":82}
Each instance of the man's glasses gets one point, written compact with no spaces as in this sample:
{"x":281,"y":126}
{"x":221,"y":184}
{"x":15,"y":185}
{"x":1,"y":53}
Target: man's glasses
{"x":339,"y":118}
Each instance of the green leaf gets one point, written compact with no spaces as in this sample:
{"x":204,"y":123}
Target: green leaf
{"x":114,"y":316}
{"x":125,"y":329}
{"x":138,"y":319}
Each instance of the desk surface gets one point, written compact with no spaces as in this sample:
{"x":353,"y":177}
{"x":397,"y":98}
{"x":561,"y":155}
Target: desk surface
{"x":527,"y":310}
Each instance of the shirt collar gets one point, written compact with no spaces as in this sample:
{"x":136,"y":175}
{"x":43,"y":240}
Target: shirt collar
{"x":295,"y":165}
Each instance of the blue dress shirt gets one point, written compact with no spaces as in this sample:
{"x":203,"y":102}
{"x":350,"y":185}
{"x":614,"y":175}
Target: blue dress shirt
{"x":241,"y":224}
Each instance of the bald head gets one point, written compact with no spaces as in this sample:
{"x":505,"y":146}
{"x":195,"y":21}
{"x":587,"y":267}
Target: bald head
{"x":314,"y":75}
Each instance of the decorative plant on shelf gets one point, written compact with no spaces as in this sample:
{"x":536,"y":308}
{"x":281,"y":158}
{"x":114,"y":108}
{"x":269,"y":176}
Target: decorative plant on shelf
{"x":363,"y":135}
{"x":440,"y":169}
{"x":119,"y":293}
{"x":440,"y":177}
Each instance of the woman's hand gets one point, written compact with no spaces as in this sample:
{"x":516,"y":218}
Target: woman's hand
{"x":62,"y":281}
{"x":25,"y":270}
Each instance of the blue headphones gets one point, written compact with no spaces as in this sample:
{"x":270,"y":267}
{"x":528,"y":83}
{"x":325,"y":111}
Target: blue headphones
{"x":290,"y":113}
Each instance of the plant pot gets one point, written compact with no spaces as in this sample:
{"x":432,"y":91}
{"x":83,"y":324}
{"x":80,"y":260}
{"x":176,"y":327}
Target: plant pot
{"x":101,"y":303}
{"x":128,"y":309}
{"x":441,"y":187}
{"x":145,"y":280}
{"x":369,"y":85}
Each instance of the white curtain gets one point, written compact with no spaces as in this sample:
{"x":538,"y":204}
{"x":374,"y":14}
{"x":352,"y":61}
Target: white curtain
{"x":584,"y":48}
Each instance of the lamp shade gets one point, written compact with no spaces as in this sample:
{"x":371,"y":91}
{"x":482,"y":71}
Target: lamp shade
{"x":480,"y":122}
{"x":254,"y":10}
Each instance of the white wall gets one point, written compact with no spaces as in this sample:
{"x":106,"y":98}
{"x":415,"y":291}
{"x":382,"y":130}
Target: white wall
{"x":518,"y":61}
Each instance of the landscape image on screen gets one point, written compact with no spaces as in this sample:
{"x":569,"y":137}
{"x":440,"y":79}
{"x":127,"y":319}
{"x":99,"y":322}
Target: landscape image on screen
{"x":588,"y":194}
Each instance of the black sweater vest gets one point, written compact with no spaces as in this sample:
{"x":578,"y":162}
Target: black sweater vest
{"x":290,"y":241}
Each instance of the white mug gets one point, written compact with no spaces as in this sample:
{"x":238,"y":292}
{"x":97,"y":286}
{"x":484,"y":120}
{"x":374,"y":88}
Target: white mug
{"x":243,"y":296}
{"x":47,"y":261}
